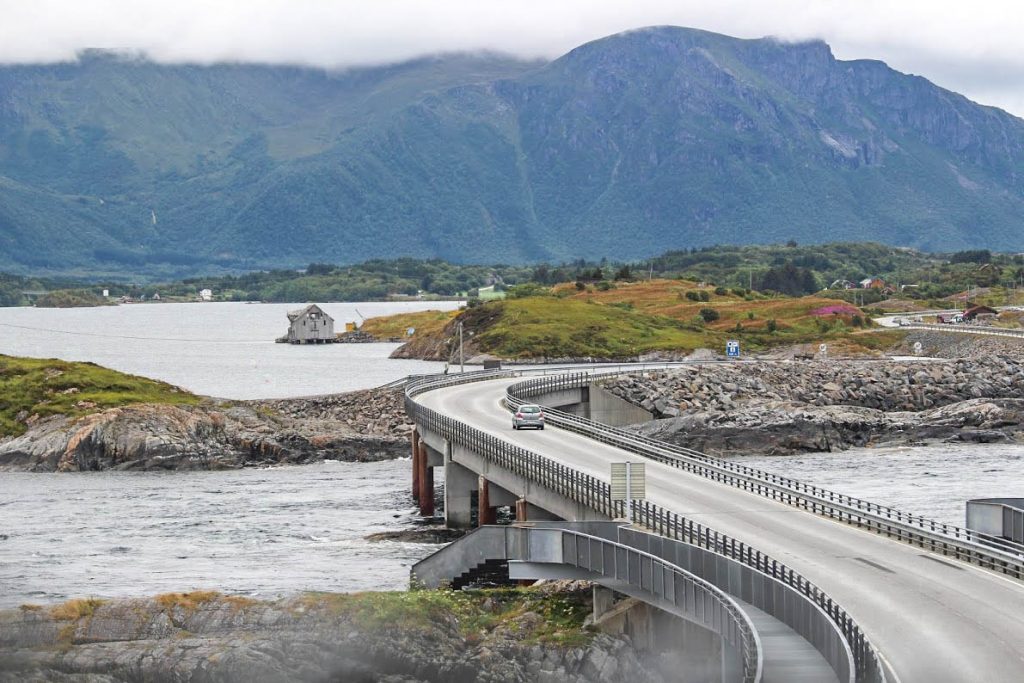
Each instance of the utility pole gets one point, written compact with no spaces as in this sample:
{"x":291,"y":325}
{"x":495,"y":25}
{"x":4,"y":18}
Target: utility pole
{"x":462,"y":365}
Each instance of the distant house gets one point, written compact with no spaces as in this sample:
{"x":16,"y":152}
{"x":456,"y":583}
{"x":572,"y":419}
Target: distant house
{"x":310,"y":325}
{"x":206,"y":295}
{"x":872,"y":283}
{"x":980,"y":314}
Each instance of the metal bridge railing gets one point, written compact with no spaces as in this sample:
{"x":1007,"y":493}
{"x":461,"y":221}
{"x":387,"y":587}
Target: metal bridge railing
{"x":972,"y":546}
{"x":596,"y":495}
{"x":964,"y":329}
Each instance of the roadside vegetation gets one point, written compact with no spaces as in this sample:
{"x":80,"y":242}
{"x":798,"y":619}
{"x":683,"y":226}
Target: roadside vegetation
{"x":31,"y":389}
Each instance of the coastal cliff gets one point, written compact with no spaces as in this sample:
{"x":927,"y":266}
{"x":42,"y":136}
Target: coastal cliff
{"x":535,"y":634}
{"x":357,"y":426}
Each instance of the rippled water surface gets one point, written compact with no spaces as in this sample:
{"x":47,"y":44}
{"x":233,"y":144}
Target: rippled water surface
{"x":214,"y":349}
{"x":261,"y":532}
{"x":933,"y":481}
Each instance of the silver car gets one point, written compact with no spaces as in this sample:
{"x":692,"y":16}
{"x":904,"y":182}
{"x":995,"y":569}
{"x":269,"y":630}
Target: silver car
{"x":528,"y":415}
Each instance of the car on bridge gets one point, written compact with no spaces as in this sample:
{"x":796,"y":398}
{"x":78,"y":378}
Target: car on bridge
{"x":528,"y":415}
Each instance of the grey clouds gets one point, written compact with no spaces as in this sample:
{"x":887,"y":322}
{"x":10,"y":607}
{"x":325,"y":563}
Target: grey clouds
{"x":972,"y":48}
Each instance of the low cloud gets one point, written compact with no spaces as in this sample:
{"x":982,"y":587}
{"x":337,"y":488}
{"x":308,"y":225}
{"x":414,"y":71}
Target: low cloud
{"x":969,"y":47}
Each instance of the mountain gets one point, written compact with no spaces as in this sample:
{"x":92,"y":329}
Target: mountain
{"x":627,"y":146}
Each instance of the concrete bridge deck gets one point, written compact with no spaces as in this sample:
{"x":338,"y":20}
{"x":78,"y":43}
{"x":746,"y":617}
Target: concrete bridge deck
{"x":932,"y":618}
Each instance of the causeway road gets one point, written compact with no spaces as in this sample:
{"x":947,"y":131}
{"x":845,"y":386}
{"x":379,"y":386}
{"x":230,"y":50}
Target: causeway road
{"x":932,"y":618}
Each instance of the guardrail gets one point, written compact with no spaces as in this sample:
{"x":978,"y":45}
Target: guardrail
{"x":689,"y":596}
{"x":1000,"y":517}
{"x":972,"y":546}
{"x":960,"y":328}
{"x":596,"y":495}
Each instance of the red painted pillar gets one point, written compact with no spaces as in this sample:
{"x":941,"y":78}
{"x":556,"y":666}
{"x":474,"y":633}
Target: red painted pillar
{"x":415,"y":465}
{"x":426,"y":482}
{"x":485,"y":513}
{"x":521,"y":508}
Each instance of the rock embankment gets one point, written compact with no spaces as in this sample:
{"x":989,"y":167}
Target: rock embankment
{"x":390,"y":638}
{"x":358,"y":426}
{"x":792,"y":407}
{"x":958,"y":345}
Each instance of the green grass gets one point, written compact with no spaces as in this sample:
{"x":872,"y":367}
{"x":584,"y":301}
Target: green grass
{"x":44,"y":387}
{"x":633,"y":319}
{"x":556,"y":327}
{"x":476,"y":612}
{"x":424,"y":322}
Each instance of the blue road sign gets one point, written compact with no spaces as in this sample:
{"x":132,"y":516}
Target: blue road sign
{"x":732,"y":348}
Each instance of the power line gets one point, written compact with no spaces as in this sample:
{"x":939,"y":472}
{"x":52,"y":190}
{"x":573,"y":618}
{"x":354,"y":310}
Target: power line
{"x":126,"y":336}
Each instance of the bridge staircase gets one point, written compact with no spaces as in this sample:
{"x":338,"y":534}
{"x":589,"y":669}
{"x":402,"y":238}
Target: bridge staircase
{"x":489,"y":573}
{"x":760,"y":626}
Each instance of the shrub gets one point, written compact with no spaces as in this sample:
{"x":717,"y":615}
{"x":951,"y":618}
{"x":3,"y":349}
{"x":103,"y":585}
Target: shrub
{"x":750,"y":315}
{"x":857,"y":321}
{"x":603,"y":286}
{"x":772,"y":325}
{"x":692,"y":295}
{"x":721,"y":291}
{"x":704,"y":296}
{"x":709,"y":315}
{"x":580,"y":286}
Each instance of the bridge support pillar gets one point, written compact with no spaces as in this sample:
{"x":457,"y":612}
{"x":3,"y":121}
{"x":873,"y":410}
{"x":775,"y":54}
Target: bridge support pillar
{"x":425,"y":479}
{"x":460,"y":484}
{"x":415,"y":465}
{"x":486,"y":513}
{"x":604,"y":598}
{"x":528,"y":512}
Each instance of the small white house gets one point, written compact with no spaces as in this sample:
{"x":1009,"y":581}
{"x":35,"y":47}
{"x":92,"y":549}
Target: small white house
{"x":206,"y":295}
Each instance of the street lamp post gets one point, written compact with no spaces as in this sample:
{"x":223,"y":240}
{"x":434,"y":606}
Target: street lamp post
{"x":462,"y":366}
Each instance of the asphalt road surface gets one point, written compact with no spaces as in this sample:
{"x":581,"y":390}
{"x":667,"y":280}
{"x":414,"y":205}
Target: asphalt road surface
{"x":932,"y":618}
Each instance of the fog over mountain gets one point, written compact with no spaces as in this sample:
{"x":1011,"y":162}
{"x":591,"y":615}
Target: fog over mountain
{"x":626,"y":146}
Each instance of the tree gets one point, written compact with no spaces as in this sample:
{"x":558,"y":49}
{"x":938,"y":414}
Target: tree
{"x":709,"y":315}
{"x":623,"y":274}
{"x":319,"y":269}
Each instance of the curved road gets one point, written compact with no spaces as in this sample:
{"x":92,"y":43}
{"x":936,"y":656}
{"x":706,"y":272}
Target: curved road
{"x":933,"y":619}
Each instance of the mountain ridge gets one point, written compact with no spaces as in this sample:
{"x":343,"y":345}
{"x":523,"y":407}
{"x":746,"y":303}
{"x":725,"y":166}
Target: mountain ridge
{"x":626,"y":146}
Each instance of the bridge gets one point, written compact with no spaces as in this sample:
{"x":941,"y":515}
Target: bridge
{"x":911,"y":599}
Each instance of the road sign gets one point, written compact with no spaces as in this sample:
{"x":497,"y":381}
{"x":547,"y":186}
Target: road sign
{"x":732,"y":348}
{"x":628,"y":481}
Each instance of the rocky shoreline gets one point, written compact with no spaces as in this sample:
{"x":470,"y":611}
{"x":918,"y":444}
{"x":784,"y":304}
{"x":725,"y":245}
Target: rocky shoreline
{"x":503,"y":636}
{"x":780,"y":408}
{"x":364,"y":425}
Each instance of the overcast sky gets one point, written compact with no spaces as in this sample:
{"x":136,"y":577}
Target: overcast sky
{"x":971,"y":47}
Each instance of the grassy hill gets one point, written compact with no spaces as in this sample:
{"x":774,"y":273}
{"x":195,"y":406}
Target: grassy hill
{"x":32,"y":388}
{"x":632,"y":319}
